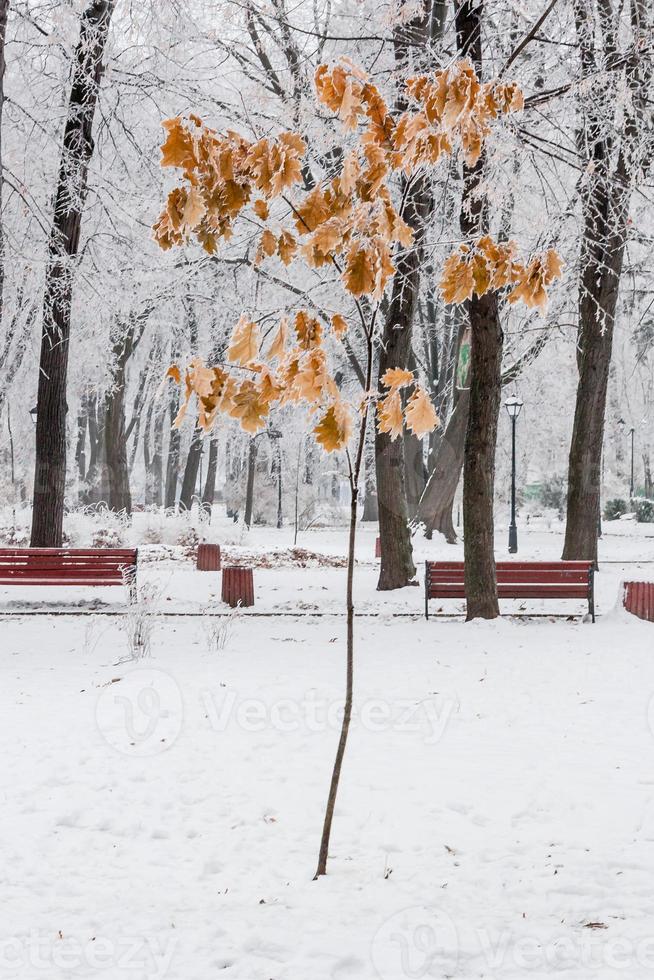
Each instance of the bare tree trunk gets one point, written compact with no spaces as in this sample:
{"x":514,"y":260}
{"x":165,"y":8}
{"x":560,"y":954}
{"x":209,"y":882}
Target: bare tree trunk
{"x":120,"y":498}
{"x":647,"y":471}
{"x":479,"y":458}
{"x":50,"y":467}
{"x":148,"y":496}
{"x":190,"y":478}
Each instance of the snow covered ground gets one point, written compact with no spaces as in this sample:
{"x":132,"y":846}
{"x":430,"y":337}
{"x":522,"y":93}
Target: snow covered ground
{"x":161,"y":819}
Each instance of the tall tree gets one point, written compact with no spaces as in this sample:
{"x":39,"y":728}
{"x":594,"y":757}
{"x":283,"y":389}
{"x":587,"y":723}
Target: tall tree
{"x":485,"y":372}
{"x":4,"y":11}
{"x":410,"y":45}
{"x":615,"y":145}
{"x":72,"y":188}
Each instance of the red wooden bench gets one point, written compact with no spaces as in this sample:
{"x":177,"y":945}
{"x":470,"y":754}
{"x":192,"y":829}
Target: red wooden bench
{"x":517,"y":580}
{"x":69,"y":566}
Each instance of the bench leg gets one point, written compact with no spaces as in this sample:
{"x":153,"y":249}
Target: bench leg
{"x":591,"y":594}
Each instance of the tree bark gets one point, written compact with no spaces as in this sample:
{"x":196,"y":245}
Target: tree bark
{"x":479,"y":458}
{"x":50,"y":466}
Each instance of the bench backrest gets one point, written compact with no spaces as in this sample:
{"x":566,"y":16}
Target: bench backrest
{"x":515,"y":579}
{"x":65,"y":566}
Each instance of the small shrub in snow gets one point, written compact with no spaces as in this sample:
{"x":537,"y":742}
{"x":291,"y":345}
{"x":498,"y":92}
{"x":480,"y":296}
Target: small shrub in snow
{"x":189,"y":540}
{"x":139,"y":620}
{"x":106,"y":537}
{"x":615,"y":509}
{"x":553,"y":493}
{"x":218,"y":630}
{"x":15,"y":537}
{"x":644,"y":510}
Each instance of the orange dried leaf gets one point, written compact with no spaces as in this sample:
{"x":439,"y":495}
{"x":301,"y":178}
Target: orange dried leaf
{"x":279,"y":340}
{"x":397,"y":378}
{"x":178,"y":149}
{"x":334,"y":429}
{"x":286,"y":247}
{"x":359,"y":273}
{"x":457,"y":280}
{"x":308,"y":330}
{"x":249,"y":407}
{"x":389,"y":414}
{"x":420,"y":415}
{"x":244,"y":345}
{"x":260,"y":208}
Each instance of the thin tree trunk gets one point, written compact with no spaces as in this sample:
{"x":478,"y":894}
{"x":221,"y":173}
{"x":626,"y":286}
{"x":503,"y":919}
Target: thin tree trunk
{"x":354,"y":477}
{"x":50,"y":467}
{"x":148,"y":496}
{"x":209,"y":492}
{"x":157,"y":457}
{"x":80,"y":448}
{"x":115,"y":437}
{"x":370,"y":502}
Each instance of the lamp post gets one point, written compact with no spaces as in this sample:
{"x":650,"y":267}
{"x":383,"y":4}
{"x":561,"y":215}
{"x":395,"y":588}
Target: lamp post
{"x":631,"y":480}
{"x":513,"y":406}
